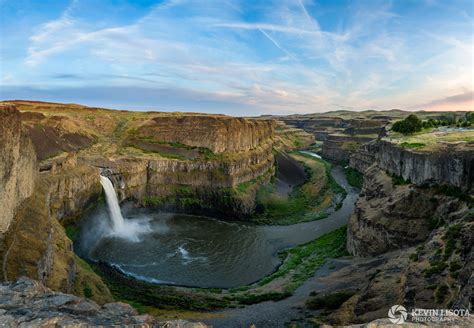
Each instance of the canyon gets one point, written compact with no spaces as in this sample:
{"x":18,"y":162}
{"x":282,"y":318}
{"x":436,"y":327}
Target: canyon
{"x":409,"y":232}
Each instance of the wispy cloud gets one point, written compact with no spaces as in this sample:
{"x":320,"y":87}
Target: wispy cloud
{"x":277,"y":56}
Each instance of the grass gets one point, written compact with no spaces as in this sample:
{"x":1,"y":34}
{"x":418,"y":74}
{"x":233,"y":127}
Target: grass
{"x":306,"y":202}
{"x":243,"y":187}
{"x":412,"y":145}
{"x":205,"y":153}
{"x":72,"y":231}
{"x":303,"y":260}
{"x":432,"y":139}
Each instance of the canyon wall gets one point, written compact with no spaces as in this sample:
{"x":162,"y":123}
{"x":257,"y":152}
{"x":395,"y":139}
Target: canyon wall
{"x":217,"y":133}
{"x":18,"y":169}
{"x":413,"y":241}
{"x":33,"y":242}
{"x":340,"y":137}
{"x":452,"y":165}
{"x":388,"y":217}
{"x":339,"y":147}
{"x":225,"y":185}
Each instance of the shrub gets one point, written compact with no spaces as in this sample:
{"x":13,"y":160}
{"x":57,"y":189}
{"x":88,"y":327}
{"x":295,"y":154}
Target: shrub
{"x":354,"y":177}
{"x":409,"y":125}
{"x":88,"y":291}
{"x":441,"y":293}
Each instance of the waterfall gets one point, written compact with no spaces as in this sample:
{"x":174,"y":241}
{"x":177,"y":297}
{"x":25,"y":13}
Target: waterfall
{"x":128,"y":229}
{"x":113,"y":204}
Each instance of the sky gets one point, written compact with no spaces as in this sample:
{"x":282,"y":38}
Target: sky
{"x":243,"y":57}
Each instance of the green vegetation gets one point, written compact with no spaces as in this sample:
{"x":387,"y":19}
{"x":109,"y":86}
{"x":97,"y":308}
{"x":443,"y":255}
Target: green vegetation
{"x":205,"y":153}
{"x":398,"y":180}
{"x":441,"y":293}
{"x":435,"y":268}
{"x":243,"y":187}
{"x":306,"y":202}
{"x":354,"y":177}
{"x":452,"y":191}
{"x":438,"y":263}
{"x":454,"y":268}
{"x":144,"y":296}
{"x":152,"y":201}
{"x":408,"y":125}
{"x":248,"y":299}
{"x":88,"y":291}
{"x":303,"y":260}
{"x":412,"y":145}
{"x":412,"y":123}
{"x":450,"y":237}
{"x":72,"y":231}
{"x":329,"y":301}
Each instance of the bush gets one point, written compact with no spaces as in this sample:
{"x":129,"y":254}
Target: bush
{"x":354,"y":177}
{"x":409,"y":125}
{"x":441,"y":293}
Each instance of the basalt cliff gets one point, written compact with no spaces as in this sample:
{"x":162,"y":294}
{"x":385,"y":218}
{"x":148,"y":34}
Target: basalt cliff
{"x":46,"y":185}
{"x":410,"y":235}
{"x":412,"y":230}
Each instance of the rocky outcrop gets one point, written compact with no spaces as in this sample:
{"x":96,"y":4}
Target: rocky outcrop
{"x":451,"y":165}
{"x":18,"y":169}
{"x":339,"y":147}
{"x":364,"y":156}
{"x":381,"y":221}
{"x":434,"y":274}
{"x":288,"y":138}
{"x":217,"y":133}
{"x":27,"y":303}
{"x":192,"y":185}
{"x":71,"y":190}
{"x":35,"y":243}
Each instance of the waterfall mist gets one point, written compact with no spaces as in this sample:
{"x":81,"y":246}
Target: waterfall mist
{"x":120,"y":227}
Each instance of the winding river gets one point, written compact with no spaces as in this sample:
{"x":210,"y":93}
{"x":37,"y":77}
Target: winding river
{"x":199,"y":251}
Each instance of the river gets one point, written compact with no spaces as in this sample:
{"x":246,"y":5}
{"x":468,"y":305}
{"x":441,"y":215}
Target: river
{"x":198,"y":251}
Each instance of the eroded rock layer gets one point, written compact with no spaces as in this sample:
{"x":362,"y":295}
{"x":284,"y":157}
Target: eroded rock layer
{"x":389,"y":217}
{"x":217,"y":133}
{"x":18,"y":169}
{"x":451,"y":164}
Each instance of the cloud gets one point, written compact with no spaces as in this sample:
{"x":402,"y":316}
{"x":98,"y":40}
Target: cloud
{"x":278,"y":56}
{"x":462,"y":101}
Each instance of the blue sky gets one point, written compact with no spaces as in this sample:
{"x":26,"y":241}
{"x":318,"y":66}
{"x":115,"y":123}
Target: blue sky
{"x":240,"y":57}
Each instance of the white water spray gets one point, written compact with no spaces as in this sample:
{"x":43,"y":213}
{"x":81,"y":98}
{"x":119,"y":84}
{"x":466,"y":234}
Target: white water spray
{"x":127,"y":229}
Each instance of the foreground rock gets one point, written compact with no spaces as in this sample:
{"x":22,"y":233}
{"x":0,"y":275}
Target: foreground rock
{"x":27,"y":303}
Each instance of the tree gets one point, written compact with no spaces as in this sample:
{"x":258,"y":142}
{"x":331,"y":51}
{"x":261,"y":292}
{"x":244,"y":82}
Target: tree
{"x":409,"y":125}
{"x":469,"y":117}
